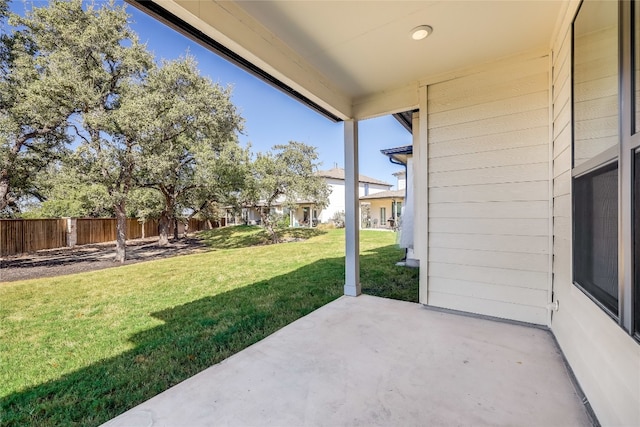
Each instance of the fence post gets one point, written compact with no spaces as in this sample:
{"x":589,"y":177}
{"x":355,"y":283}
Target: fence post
{"x":72,"y":232}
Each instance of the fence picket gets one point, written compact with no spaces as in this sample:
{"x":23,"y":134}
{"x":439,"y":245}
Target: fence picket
{"x":29,"y":235}
{"x":18,"y":236}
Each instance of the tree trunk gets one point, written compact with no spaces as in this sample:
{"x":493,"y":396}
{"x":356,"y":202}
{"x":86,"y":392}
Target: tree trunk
{"x":4,"y":194}
{"x":164,"y":224}
{"x":175,"y":229}
{"x":269,"y":226}
{"x":121,"y":232}
{"x":5,"y":174}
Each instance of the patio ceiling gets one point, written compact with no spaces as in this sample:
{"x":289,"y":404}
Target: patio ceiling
{"x":347,"y":56}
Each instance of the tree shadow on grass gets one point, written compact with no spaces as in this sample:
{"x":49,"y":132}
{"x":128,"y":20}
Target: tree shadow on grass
{"x":242,"y":236}
{"x":197,"y":335}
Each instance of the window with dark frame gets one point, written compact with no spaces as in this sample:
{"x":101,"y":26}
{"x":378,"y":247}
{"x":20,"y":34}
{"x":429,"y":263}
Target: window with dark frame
{"x":595,"y":218}
{"x":595,"y":139}
{"x":606,"y":157}
{"x":636,"y":173}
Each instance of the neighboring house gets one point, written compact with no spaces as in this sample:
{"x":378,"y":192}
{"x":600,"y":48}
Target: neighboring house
{"x":247,"y":214}
{"x":526,"y":172}
{"x":401,"y":179}
{"x":384,"y":209}
{"x":335,"y":178}
{"x":307,"y":214}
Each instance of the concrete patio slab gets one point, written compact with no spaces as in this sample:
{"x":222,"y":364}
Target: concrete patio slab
{"x":370,"y":361}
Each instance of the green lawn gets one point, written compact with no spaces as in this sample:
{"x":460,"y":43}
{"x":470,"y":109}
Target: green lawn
{"x":80,"y":349}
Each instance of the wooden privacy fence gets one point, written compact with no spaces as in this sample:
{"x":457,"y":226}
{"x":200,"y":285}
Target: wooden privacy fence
{"x":29,"y":235}
{"x":19,"y":236}
{"x":100,"y":230}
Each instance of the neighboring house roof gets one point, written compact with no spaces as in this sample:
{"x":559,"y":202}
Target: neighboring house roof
{"x":406,"y":119}
{"x":399,"y":154}
{"x":392,"y":194}
{"x":338,"y":173}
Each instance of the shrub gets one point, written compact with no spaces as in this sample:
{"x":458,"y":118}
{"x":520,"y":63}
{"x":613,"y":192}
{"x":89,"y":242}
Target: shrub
{"x":338,"y":219}
{"x":283,"y":221}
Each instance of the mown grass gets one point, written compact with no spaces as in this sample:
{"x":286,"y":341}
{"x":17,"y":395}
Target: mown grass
{"x":242,"y":236}
{"x":81,"y":349}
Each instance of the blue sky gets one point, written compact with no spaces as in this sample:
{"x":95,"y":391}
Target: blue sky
{"x":271,"y":117}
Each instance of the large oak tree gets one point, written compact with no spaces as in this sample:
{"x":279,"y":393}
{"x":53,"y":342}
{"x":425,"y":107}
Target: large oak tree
{"x":38,"y":91}
{"x":189,"y":130}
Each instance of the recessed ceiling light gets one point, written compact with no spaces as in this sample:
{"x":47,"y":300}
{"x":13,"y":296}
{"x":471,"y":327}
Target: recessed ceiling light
{"x":421,"y":32}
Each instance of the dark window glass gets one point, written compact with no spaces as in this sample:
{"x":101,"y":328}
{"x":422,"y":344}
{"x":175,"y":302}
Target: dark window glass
{"x":595,"y":249}
{"x":636,"y":24}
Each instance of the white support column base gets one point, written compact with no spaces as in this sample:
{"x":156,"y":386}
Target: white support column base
{"x":352,"y":291}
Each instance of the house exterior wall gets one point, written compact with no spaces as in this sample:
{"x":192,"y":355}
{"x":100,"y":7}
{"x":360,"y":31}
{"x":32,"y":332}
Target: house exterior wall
{"x":604,"y":358}
{"x":401,"y":180}
{"x":336,"y":198}
{"x":488,"y":191}
{"x":499,"y":149}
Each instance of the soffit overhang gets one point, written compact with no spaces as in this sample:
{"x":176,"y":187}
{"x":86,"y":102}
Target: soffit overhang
{"x":355,"y":59}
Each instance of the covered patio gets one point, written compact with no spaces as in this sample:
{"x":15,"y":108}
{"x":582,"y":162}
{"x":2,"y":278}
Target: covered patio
{"x":374,"y":362}
{"x":507,"y":121}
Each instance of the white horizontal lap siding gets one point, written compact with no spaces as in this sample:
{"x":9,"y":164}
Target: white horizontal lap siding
{"x":603,"y":357}
{"x":489,"y":192}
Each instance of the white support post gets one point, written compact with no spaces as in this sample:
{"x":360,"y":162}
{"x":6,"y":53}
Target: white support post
{"x":421,"y":194}
{"x":72,"y":232}
{"x":352,"y":209}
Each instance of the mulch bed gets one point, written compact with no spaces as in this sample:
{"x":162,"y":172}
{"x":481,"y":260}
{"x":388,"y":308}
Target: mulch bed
{"x":56,"y":262}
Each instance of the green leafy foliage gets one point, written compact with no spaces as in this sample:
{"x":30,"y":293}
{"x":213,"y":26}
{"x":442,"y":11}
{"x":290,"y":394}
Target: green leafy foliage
{"x":38,"y":87}
{"x":65,"y":194}
{"x":74,"y":71}
{"x":67,"y":67}
{"x":111,"y":62}
{"x":71,"y":71}
{"x":285,"y":176}
{"x":187,"y":138}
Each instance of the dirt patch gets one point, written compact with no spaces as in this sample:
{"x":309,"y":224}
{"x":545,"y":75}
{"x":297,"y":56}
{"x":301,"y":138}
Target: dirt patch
{"x":56,"y":262}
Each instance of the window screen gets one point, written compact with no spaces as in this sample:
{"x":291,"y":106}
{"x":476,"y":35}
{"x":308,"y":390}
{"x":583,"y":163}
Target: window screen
{"x":595,"y":247}
{"x":636,"y":59}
